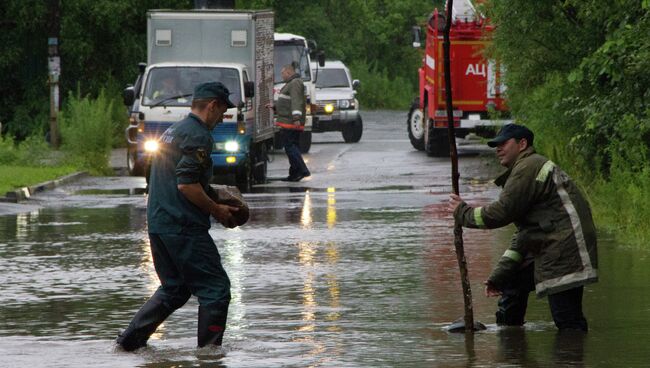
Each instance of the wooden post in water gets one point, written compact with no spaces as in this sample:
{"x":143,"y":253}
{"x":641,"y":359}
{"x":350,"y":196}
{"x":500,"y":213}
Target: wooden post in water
{"x":468,"y":325}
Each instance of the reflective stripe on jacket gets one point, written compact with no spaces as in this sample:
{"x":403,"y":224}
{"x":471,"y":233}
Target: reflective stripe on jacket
{"x":290,"y":107}
{"x":553,"y":220}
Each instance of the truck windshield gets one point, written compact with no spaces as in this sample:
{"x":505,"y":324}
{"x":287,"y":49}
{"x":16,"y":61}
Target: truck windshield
{"x":173,"y":86}
{"x":332,"y":78}
{"x":290,"y":53}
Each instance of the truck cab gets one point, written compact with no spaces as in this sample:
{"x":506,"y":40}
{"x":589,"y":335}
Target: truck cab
{"x":166,"y":97}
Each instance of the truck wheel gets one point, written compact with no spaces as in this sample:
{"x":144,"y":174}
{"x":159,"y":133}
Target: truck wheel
{"x":135,"y":167}
{"x":243,"y":178}
{"x":305,"y":142}
{"x":438,"y":142}
{"x":415,"y":125}
{"x":352,"y":131}
{"x":260,"y":164}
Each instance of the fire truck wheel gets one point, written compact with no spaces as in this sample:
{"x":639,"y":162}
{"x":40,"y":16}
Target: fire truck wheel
{"x":438,"y":143}
{"x":415,"y":126}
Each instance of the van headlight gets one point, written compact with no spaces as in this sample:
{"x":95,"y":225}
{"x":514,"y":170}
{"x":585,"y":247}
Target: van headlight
{"x":151,"y":146}
{"x":329,"y":108}
{"x":231,"y":146}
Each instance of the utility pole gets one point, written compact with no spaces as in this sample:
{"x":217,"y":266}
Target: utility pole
{"x":54,"y":68}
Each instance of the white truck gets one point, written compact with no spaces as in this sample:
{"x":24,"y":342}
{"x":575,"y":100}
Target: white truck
{"x":295,"y":50}
{"x":186,"y":48}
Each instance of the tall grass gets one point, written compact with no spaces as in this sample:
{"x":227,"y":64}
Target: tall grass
{"x":379,"y":90}
{"x":87,"y":132}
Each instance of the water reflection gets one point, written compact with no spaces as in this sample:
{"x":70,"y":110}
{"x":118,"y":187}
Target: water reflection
{"x":568,"y":349}
{"x":306,"y":216}
{"x":331,"y":207}
{"x":513,"y":346}
{"x":331,"y":279}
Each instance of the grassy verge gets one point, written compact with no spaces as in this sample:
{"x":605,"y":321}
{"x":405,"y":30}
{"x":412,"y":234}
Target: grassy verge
{"x":12,"y":177}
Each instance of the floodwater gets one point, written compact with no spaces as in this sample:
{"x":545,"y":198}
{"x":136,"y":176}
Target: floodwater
{"x":336,"y":271}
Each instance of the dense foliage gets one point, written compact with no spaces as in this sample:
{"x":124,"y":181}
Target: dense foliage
{"x":101,"y":42}
{"x":579,"y":75}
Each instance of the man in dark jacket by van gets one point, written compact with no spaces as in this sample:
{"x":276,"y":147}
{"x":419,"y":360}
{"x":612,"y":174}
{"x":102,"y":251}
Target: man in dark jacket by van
{"x":553,"y":250}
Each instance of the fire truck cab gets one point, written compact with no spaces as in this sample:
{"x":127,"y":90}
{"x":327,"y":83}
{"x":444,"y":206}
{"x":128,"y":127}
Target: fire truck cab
{"x":477,"y":89}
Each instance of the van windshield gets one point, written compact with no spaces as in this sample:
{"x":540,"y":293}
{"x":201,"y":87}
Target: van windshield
{"x":332,"y":78}
{"x":290,"y":53}
{"x":173,"y":86}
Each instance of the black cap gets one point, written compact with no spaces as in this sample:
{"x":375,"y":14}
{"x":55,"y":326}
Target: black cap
{"x":512,"y":131}
{"x":208,"y":90}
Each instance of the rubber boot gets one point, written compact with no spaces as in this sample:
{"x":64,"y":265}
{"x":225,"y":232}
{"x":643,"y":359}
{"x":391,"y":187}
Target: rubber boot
{"x":212,"y":325}
{"x":144,"y":324}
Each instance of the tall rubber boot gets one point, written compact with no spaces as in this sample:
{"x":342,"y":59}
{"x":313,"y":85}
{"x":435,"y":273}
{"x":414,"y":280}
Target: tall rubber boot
{"x":144,"y":324}
{"x":212,"y":324}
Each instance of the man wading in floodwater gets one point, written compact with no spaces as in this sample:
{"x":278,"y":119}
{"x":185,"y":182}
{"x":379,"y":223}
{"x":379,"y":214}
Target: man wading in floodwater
{"x":178,"y":215}
{"x":553,"y":250}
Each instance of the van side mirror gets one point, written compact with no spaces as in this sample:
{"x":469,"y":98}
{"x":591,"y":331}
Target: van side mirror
{"x":356,"y":84}
{"x":249,"y":89}
{"x":141,"y":67}
{"x":417,"y":36}
{"x":312,"y":45}
{"x":321,"y":58}
{"x":128,"y":95}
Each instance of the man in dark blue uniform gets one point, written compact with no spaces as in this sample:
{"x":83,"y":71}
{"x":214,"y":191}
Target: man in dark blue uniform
{"x":178,"y":213}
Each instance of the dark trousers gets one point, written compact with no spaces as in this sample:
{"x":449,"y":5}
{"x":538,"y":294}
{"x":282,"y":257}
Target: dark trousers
{"x":186,"y":264}
{"x":566,"y":306}
{"x":291,"y":139}
{"x":189,"y":265}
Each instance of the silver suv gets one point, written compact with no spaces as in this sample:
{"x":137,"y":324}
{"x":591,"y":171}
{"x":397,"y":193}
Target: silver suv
{"x":338,"y":109}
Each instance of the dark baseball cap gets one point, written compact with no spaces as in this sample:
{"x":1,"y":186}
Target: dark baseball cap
{"x":512,"y":131}
{"x":209,"y":90}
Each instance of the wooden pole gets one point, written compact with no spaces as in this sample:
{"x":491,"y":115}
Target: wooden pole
{"x":54,"y":68}
{"x":453,"y":153}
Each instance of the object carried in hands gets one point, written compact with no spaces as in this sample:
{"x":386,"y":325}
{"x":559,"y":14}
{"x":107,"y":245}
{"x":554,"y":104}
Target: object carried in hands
{"x":231,"y":196}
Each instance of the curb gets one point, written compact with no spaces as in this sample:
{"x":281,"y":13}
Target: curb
{"x":24,"y":193}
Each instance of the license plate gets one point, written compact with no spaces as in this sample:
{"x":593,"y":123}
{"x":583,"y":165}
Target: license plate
{"x":325,"y":117}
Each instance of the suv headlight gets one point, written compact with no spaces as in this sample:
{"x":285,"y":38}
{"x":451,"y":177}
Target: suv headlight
{"x":347,"y":104}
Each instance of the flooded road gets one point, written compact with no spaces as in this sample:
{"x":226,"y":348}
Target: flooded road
{"x":353,"y":267}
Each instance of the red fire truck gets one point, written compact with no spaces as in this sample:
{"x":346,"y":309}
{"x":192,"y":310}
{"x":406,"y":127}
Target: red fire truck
{"x":477,"y":90}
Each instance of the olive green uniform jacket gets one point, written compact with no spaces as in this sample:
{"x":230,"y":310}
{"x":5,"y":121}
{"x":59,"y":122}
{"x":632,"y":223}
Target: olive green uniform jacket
{"x":290,"y":107}
{"x":553,"y":220}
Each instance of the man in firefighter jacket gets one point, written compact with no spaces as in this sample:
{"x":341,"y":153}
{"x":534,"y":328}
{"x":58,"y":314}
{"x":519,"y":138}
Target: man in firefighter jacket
{"x":290,"y":111}
{"x":553,"y":250}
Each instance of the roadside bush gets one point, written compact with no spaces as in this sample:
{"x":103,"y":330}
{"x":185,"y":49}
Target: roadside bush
{"x":378,"y":90}
{"x":8,"y":151}
{"x":87,"y":131}
{"x":118,"y":115}
{"x":33,"y":151}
